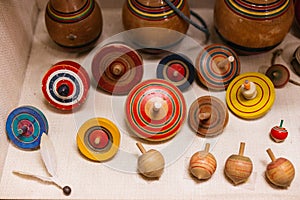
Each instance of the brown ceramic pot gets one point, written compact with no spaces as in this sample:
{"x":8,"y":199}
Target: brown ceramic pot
{"x":73,"y":23}
{"x":253,"y":26}
{"x":161,"y":26}
{"x":297,"y":12}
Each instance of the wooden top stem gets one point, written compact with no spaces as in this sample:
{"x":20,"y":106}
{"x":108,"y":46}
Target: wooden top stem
{"x":247,"y":85}
{"x":275,"y":74}
{"x":271,"y":155}
{"x":175,"y":73}
{"x":207,"y":145}
{"x":225,"y":62}
{"x":97,"y":140}
{"x":281,"y":123}
{"x":141,"y":147}
{"x":242,"y":148}
{"x":117,"y":69}
{"x":157,"y":106}
{"x":204,"y":116}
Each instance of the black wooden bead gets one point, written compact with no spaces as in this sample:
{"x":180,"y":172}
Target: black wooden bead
{"x":67,"y":190}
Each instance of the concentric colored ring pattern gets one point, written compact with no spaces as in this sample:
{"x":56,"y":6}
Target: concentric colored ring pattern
{"x":127,"y":59}
{"x":218,"y":116}
{"x":138,"y":117}
{"x":259,"y":11}
{"x":254,"y":108}
{"x":153,"y":13}
{"x":179,"y":64}
{"x":209,"y":74}
{"x":74,"y":77}
{"x":25,"y":126}
{"x":71,"y":17}
{"x":111,"y":137}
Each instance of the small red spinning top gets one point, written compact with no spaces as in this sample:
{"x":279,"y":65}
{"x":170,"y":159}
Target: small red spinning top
{"x":279,"y":133}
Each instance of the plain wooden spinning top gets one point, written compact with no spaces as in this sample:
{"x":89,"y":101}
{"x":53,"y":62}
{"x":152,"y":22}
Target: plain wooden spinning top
{"x":203,"y":164}
{"x":238,"y":168}
{"x":151,"y":163}
{"x":280,"y":171}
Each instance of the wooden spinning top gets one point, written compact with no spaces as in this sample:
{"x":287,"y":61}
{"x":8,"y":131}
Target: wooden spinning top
{"x":280,"y":171}
{"x":279,"y":133}
{"x":155,"y":110}
{"x":75,"y":24}
{"x":117,"y":68}
{"x":251,"y":26}
{"x":177,"y":69}
{"x":25,"y":126}
{"x":65,"y":85}
{"x":98,"y":139}
{"x":248,"y":90}
{"x":151,"y":163}
{"x":203,"y":164}
{"x":208,"y":116}
{"x":238,"y":168}
{"x":217,"y":66}
{"x":279,"y":75}
{"x":250,"y":95}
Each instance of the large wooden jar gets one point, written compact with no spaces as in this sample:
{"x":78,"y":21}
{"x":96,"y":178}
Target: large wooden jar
{"x":297,"y":12}
{"x":73,"y":23}
{"x":253,"y":26}
{"x":156,"y":24}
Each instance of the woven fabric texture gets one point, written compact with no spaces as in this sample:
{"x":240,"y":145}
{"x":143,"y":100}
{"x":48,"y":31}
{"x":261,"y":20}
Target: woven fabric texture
{"x":17,"y":22}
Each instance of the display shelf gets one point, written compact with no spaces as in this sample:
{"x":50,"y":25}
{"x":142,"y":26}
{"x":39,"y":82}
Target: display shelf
{"x":117,"y":178}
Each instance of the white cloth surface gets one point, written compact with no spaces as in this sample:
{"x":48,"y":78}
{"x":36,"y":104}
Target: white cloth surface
{"x":91,"y":180}
{"x":17,"y":22}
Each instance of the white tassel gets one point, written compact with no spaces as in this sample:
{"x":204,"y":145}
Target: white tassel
{"x":48,"y":155}
{"x":41,"y":178}
{"x":49,"y":159}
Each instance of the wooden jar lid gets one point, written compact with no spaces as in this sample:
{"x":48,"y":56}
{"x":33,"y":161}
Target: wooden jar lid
{"x":117,"y":68}
{"x":254,"y":108}
{"x":208,"y":116}
{"x":65,"y":85}
{"x":217,"y":66}
{"x":98,"y":139}
{"x":155,"y":110}
{"x":177,"y":69}
{"x":25,"y":126}
{"x":279,"y":75}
